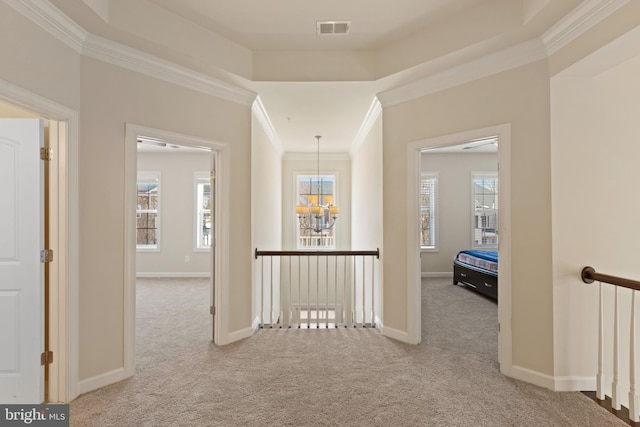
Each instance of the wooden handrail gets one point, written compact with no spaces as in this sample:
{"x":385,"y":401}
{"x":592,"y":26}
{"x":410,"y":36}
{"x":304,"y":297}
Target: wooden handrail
{"x":589,"y":275}
{"x":375,"y":253}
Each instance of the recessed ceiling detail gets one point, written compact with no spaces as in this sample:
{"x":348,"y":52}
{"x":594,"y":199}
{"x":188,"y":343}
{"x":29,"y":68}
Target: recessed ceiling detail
{"x":332,"y":28}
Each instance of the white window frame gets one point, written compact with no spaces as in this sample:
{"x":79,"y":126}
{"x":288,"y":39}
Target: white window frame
{"x":147,"y":177}
{"x":491,"y":175}
{"x":201,"y":177}
{"x":434,"y":209}
{"x":296,"y":187}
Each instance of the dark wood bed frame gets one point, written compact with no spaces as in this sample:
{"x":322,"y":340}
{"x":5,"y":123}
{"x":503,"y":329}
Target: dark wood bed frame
{"x":479,"y":280}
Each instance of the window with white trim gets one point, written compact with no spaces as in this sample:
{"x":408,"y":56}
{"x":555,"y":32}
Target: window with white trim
{"x":148,"y":211}
{"x":204,"y":218}
{"x":484,"y":190}
{"x":428,"y":201}
{"x":310,"y":190}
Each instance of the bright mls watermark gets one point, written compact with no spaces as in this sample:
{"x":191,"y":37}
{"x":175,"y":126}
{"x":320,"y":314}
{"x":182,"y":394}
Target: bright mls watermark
{"x":36,"y":415}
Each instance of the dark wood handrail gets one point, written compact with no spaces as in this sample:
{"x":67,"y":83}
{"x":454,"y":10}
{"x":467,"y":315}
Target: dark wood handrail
{"x":589,"y":275}
{"x":375,"y":253}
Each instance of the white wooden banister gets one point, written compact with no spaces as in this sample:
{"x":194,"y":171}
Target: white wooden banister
{"x":589,"y":275}
{"x":340,"y":289}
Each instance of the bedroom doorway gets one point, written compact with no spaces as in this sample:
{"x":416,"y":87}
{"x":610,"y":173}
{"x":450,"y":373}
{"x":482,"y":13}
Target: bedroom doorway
{"x":173,"y":222}
{"x":424,"y":235}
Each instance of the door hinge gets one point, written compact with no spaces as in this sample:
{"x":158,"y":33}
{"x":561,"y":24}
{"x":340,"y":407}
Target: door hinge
{"x":213,"y":174}
{"x":46,"y":358}
{"x":46,"y":153}
{"x":212,"y":310}
{"x":46,"y":255}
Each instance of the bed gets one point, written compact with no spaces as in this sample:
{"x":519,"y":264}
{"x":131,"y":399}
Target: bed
{"x":477,"y":270}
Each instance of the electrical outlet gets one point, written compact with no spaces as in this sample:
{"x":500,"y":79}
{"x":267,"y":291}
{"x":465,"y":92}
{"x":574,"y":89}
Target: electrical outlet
{"x":186,"y":258}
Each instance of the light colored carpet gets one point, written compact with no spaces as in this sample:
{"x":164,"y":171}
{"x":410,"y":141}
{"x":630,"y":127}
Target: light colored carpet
{"x":340,"y":377}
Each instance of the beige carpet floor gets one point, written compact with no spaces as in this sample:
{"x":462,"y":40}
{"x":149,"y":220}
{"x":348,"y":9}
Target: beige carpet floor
{"x":340,"y":377}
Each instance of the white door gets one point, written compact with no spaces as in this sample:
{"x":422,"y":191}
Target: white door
{"x":21,"y":272}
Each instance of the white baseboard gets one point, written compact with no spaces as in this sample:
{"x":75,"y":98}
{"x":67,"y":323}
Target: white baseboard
{"x":566,"y":383}
{"x":240,"y":335}
{"x":256,"y":323}
{"x":441,"y":274}
{"x":395,"y":334}
{"x":101,"y":380}
{"x":575,"y":383}
{"x":378,"y":323}
{"x":532,"y":377}
{"x":177,"y":275}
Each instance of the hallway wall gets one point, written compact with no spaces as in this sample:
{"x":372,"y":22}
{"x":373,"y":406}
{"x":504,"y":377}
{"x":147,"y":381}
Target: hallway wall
{"x":526,"y":108}
{"x":595,"y":183}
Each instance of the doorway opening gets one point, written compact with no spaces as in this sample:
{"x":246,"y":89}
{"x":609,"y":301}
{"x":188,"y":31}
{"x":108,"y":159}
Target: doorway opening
{"x":459,"y":205}
{"x":174,"y":229}
{"x":415,"y":232}
{"x":153,"y":201}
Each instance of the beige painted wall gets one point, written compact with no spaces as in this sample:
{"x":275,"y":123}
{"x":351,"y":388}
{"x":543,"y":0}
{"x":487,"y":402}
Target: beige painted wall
{"x":595,"y":205}
{"x":23,"y":63}
{"x":519,"y":97}
{"x":112,"y":97}
{"x":177,"y":214}
{"x":366,"y":196}
{"x":266,"y":201}
{"x":453,"y":204}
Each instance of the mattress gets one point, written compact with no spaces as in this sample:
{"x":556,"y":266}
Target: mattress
{"x":485,"y":260}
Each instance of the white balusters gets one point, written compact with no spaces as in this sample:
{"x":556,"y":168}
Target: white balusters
{"x":343,"y":298}
{"x":634,"y":397}
{"x":600,"y":377}
{"x":617,"y":394}
{"x":616,"y":389}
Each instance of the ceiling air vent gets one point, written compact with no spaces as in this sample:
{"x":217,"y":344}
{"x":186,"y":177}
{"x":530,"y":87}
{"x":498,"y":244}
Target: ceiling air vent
{"x":330,"y":28}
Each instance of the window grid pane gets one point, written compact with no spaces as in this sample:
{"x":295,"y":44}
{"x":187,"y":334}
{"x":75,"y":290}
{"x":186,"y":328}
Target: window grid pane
{"x":428,"y":211}
{"x":485,"y":217}
{"x":203,"y":214}
{"x":313,"y":190}
{"x":147,"y":220}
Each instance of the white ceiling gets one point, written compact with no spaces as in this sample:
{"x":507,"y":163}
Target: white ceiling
{"x":407,"y":38}
{"x":300,"y":111}
{"x":291,"y":24}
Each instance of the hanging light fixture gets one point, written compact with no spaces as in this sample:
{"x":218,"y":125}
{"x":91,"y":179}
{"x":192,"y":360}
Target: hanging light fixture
{"x":319,"y":214}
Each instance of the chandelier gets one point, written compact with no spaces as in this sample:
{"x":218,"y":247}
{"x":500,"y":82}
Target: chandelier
{"x":319,"y":214}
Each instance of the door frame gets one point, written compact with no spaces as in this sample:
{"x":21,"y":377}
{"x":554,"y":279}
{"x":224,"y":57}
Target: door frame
{"x":414,"y":276}
{"x":219,"y":265}
{"x":64,"y":270}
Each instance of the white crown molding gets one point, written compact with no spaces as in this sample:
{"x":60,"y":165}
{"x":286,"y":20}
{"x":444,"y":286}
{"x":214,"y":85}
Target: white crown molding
{"x":504,"y":60}
{"x":574,"y":24}
{"x":135,"y":60}
{"x":375,"y":109}
{"x":51,"y":19}
{"x":588,"y":14}
{"x":263,"y":118}
{"x":577,"y":22}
